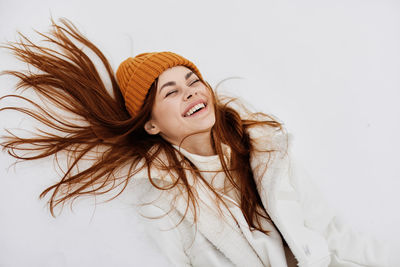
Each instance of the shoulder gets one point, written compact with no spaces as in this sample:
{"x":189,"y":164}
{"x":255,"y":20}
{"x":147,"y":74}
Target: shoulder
{"x":156,"y":168}
{"x":267,"y":136}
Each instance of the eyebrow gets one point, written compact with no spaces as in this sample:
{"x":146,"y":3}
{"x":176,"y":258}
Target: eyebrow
{"x":187,"y":76}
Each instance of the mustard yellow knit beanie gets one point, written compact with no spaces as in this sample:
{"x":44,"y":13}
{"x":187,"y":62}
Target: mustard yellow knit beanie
{"x":135,"y":75}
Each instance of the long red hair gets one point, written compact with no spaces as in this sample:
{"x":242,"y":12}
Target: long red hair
{"x":68,"y":80}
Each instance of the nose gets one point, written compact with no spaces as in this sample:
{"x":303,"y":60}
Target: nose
{"x":190,"y":93}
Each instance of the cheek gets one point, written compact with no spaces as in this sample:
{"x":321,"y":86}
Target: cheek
{"x":165,"y":113}
{"x":208,"y":92}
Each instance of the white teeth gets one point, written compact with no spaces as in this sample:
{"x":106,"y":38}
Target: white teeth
{"x":194,"y":109}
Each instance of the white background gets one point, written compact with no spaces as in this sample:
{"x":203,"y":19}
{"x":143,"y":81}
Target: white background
{"x":328,"y":69}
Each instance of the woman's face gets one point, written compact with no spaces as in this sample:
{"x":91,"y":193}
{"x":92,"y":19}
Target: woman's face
{"x":183,"y":105}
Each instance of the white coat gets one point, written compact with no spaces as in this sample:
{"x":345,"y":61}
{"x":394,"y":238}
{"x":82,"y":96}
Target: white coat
{"x":314,"y":234}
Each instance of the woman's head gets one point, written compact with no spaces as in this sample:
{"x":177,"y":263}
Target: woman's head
{"x":181,"y":104}
{"x":135,"y":75}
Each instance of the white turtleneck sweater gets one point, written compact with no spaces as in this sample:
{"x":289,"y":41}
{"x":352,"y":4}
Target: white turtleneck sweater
{"x":269,"y":248}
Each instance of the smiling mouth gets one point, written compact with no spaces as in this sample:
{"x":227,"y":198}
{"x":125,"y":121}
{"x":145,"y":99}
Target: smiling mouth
{"x":195,"y":109}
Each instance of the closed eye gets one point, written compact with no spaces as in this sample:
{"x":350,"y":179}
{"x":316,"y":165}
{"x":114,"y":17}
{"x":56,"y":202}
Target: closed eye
{"x":171,"y":92}
{"x":195,"y":81}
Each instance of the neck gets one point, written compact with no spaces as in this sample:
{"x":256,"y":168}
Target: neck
{"x":199,"y":144}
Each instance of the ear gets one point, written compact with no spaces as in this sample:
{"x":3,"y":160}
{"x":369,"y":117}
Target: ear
{"x":151,"y":128}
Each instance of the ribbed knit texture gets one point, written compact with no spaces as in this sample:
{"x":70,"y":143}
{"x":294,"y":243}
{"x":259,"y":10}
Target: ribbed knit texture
{"x":135,"y":75}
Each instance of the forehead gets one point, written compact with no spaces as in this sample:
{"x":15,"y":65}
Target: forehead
{"x":173,"y":74}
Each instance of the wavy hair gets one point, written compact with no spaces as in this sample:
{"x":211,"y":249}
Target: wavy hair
{"x":68,"y":81}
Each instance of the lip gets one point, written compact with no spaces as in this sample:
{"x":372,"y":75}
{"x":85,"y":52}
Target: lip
{"x":193,"y":104}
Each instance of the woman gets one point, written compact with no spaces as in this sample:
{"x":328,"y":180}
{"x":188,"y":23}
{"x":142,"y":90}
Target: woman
{"x":216,"y":184}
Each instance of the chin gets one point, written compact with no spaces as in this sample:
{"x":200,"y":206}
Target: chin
{"x":208,"y":125}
